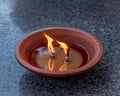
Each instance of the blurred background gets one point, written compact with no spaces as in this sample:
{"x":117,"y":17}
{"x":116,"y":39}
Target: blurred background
{"x":99,"y":17}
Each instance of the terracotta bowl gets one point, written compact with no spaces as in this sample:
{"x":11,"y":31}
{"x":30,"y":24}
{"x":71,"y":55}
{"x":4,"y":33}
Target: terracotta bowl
{"x":87,"y":41}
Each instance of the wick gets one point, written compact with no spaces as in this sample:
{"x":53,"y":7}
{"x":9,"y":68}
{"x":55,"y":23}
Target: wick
{"x":68,"y":52}
{"x":52,"y":55}
{"x":67,"y":59}
{"x":67,"y":56}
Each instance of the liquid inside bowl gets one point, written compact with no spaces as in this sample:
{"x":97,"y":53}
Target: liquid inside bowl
{"x":40,"y":57}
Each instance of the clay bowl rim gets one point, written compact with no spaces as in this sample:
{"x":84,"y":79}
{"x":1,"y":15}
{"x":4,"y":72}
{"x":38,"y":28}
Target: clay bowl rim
{"x":71,"y":72}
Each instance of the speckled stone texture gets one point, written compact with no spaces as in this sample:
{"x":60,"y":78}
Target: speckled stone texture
{"x":99,"y":17}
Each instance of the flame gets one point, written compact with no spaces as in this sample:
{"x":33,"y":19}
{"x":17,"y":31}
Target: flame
{"x":50,"y":45}
{"x":51,"y":65}
{"x":64,"y":46}
{"x":63,"y":67}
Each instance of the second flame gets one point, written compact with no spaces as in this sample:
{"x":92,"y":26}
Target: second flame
{"x":64,"y":46}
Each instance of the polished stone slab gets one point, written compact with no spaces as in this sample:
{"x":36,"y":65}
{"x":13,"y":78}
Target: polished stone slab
{"x":99,"y":17}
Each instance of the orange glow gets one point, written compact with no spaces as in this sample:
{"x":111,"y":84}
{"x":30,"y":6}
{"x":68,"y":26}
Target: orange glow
{"x":50,"y":45}
{"x":64,"y":46}
{"x":51,"y":65}
{"x":63,"y":67}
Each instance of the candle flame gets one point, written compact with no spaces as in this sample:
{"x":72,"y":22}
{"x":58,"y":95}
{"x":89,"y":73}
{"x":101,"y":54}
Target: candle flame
{"x":50,"y":45}
{"x":63,"y":67}
{"x":51,"y":65}
{"x":64,"y":46}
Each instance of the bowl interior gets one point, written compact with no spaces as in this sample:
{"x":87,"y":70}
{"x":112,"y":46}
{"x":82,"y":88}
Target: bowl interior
{"x":75,"y":37}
